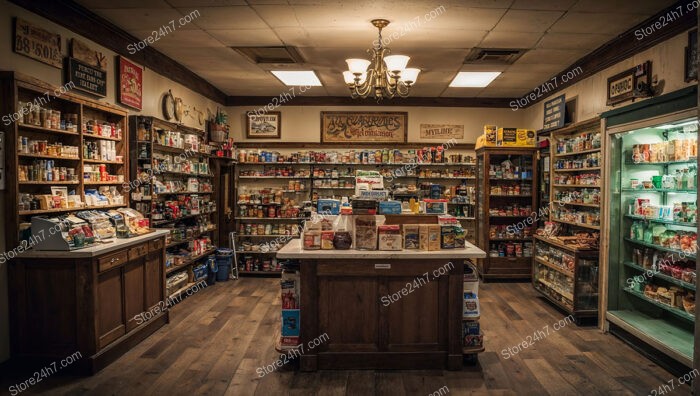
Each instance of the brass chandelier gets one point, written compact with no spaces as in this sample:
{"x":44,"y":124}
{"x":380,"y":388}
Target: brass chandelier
{"x":387,"y":78}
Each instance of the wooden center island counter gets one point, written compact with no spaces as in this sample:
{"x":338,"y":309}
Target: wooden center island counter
{"x":381,"y":309}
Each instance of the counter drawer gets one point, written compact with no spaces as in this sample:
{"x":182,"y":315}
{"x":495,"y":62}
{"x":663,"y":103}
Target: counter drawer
{"x":111,"y":261}
{"x":155,"y":245}
{"x":138,"y":251}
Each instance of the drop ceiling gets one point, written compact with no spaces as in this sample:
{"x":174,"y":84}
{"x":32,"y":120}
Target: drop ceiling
{"x":556,"y":33}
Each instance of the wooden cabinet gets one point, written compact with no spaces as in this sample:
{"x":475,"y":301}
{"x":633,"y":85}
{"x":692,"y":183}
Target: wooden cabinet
{"x":60,"y":305}
{"x":381,"y":314}
{"x":506,"y":211}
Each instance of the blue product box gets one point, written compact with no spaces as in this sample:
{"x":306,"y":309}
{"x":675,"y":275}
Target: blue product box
{"x":328,"y":206}
{"x":291,"y":323}
{"x":390,"y":207}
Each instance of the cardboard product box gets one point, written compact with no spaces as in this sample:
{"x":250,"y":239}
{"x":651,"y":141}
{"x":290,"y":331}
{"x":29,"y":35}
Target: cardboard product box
{"x":289,"y":285}
{"x":471,"y":306}
{"x":411,"y":236}
{"x":331,"y":206}
{"x":526,"y":137}
{"x":447,"y":237}
{"x":390,"y":207}
{"x":423,"y":236}
{"x":435,"y":206}
{"x":291,"y":323}
{"x":390,"y":237}
{"x":507,"y":137}
{"x":470,"y":328}
{"x":490,"y":135}
{"x":429,"y":237}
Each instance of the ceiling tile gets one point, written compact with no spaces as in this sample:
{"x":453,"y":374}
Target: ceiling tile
{"x":500,"y":39}
{"x":547,"y":5}
{"x":600,"y":23}
{"x":573,"y":41}
{"x":647,"y":7}
{"x":551,"y":69}
{"x":181,"y":38}
{"x":528,"y":21}
{"x":277,"y":15}
{"x":436,"y":38}
{"x":234,"y":17}
{"x":147,"y":18}
{"x":519,"y":80}
{"x":551,"y":56}
{"x":246,"y":37}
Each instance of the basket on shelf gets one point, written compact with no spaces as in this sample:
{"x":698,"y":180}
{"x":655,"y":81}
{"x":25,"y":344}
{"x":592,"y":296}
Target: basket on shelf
{"x":218,"y":132}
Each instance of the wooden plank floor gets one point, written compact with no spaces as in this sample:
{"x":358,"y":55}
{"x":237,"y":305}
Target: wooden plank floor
{"x":220,"y":336}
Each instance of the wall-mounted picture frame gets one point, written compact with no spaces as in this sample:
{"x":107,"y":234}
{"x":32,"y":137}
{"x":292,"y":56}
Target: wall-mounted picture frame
{"x":37,"y":43}
{"x":691,"y":57}
{"x":263,"y":126}
{"x":364,"y":127}
{"x":129,"y":83}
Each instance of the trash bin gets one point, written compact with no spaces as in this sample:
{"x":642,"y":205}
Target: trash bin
{"x":213,"y":269}
{"x":224,"y":262}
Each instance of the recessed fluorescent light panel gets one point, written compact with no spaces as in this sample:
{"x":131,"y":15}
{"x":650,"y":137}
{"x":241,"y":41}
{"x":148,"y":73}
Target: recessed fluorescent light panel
{"x":473,"y":79}
{"x":298,"y":78}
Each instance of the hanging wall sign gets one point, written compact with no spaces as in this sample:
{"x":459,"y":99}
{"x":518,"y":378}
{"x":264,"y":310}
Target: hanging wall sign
{"x":363,"y":127}
{"x":554,"y":112}
{"x":82,"y":52}
{"x":38,"y":43}
{"x":130,"y":83}
{"x":441,"y":131}
{"x":630,"y":84}
{"x":87,"y":78}
{"x":263,"y":126}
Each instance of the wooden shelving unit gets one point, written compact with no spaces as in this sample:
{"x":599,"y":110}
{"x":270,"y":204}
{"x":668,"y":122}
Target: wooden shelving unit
{"x":150,"y":168}
{"x":576,"y":288}
{"x":313,"y":191}
{"x":559,"y":169}
{"x":20,"y":88}
{"x":508,"y":265}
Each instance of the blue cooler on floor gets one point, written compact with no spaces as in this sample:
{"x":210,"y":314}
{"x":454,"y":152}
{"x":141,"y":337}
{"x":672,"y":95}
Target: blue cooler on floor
{"x":224,"y":262}
{"x":213,"y":269}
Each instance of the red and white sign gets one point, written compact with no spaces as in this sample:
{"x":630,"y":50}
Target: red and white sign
{"x":130,"y":83}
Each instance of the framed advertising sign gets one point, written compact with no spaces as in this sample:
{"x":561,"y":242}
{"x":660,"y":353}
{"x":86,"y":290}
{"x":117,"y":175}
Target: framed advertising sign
{"x":363,"y":127}
{"x":441,"y":131}
{"x":38,"y":43}
{"x":630,"y":84}
{"x":130,"y":83}
{"x":263,"y":126}
{"x":87,"y":78}
{"x":554,"y":113}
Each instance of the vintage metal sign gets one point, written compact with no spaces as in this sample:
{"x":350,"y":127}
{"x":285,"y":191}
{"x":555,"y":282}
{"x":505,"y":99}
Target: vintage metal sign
{"x":38,"y":43}
{"x":363,"y":127}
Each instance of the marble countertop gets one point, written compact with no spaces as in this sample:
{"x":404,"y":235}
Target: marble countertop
{"x":97,"y":250}
{"x":293,"y":250}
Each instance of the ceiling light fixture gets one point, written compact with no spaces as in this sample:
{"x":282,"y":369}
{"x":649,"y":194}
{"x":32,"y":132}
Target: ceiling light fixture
{"x":473,"y":79}
{"x":297,"y":78}
{"x":387,"y":77}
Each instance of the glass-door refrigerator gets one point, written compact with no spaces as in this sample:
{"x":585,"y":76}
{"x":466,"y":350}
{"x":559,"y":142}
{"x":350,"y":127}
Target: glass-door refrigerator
{"x":653,"y":235}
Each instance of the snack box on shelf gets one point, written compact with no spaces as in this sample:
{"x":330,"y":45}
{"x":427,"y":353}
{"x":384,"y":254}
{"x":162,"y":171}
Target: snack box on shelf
{"x":390,"y":207}
{"x":331,"y":206}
